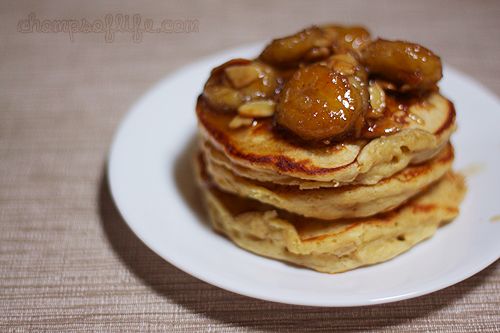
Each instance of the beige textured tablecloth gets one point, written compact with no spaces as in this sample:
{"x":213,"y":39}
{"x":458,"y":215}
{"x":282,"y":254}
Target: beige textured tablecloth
{"x":69,"y":263}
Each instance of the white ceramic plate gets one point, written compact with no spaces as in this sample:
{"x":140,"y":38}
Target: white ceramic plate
{"x":150,"y":179}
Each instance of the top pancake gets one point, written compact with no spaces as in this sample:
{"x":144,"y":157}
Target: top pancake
{"x":260,"y":152}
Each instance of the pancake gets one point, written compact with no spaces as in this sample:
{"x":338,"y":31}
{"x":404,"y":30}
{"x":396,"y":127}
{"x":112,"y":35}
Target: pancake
{"x":260,"y":152}
{"x":330,"y":150}
{"x":340,"y":202}
{"x":331,"y":246}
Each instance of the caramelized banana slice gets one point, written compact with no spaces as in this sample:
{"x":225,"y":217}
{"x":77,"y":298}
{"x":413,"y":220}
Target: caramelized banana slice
{"x":410,"y":66}
{"x":314,"y":44}
{"x":347,"y":64}
{"x":318,"y":104}
{"x":238,"y":82}
{"x":289,"y":51}
{"x":347,"y":38}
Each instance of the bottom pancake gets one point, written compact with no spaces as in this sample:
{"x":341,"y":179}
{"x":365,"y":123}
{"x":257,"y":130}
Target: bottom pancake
{"x":331,"y":246}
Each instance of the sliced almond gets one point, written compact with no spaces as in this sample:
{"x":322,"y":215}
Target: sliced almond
{"x":377,"y":97}
{"x":345,"y":58}
{"x":241,"y":76}
{"x":344,"y":64}
{"x":322,"y":42}
{"x":400,"y":114}
{"x":239,"y":121}
{"x":344,"y":68}
{"x":386,"y":85}
{"x":258,"y":109}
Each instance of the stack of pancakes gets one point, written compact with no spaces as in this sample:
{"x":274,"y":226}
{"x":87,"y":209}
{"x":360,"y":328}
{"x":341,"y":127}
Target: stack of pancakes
{"x":331,"y":207}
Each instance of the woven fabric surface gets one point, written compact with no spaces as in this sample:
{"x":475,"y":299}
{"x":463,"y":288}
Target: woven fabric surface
{"x":69,"y":262}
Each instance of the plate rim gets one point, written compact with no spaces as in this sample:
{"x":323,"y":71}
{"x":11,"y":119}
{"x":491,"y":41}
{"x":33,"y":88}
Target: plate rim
{"x":245,"y":49}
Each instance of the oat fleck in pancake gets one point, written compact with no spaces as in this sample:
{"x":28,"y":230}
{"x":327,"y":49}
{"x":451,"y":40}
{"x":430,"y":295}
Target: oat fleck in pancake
{"x":330,"y":150}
